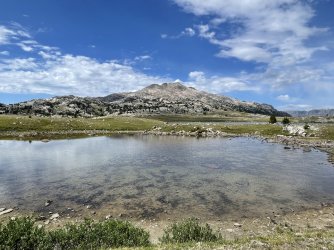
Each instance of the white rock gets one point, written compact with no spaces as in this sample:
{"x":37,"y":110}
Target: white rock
{"x":54,"y":216}
{"x":237,"y":225}
{"x":6,"y":211}
{"x":2,"y":209}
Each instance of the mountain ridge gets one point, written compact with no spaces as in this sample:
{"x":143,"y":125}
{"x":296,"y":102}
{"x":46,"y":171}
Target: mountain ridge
{"x":313,"y":112}
{"x":166,"y":98}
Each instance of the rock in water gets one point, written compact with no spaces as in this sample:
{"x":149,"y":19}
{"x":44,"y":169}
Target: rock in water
{"x":54,"y":216}
{"x":48,"y":203}
{"x":7,"y":211}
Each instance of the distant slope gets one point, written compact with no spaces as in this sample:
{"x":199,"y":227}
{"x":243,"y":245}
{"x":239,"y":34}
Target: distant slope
{"x":167,"y":98}
{"x":314,"y":112}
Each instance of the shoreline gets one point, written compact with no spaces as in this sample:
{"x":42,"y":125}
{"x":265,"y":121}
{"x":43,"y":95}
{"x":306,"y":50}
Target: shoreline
{"x":292,"y":142}
{"x":298,"y":223}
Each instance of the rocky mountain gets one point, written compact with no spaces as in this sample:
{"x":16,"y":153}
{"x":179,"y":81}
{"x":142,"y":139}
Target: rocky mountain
{"x":314,"y":112}
{"x":167,"y":98}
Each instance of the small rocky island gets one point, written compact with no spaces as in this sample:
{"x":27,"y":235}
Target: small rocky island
{"x":167,"y":98}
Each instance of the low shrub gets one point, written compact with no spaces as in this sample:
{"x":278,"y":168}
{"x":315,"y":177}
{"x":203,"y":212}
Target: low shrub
{"x":189,"y":231}
{"x":286,"y":120}
{"x":21,"y":233}
{"x":90,"y":235}
{"x":272,"y":119}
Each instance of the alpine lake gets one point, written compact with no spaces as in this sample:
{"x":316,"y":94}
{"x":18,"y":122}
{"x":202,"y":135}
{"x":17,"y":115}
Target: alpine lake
{"x":162,"y":177}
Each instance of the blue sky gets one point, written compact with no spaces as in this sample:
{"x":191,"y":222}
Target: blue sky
{"x":279,"y":52}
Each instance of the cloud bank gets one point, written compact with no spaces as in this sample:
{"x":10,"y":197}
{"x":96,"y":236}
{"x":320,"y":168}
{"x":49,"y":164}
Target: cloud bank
{"x":47,"y":70}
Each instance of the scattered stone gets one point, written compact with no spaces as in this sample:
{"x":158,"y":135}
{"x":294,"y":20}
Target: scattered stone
{"x":13,"y":218}
{"x":230,"y":230}
{"x":257,"y":243}
{"x":7,"y":211}
{"x":286,"y":147}
{"x":45,"y":140}
{"x":48,"y":203}
{"x":2,"y":209}
{"x":89,"y":206}
{"x":41,"y":217}
{"x":39,"y":226}
{"x":121,"y":215}
{"x":47,"y":222}
{"x":237,"y":225}
{"x":93,"y":212}
{"x":54,"y":216}
{"x":108,"y":217}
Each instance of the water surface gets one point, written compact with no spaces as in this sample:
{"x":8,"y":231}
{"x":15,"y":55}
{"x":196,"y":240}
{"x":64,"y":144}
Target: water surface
{"x":163,"y":177}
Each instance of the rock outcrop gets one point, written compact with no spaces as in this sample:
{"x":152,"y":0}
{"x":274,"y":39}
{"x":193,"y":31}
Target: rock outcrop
{"x":167,"y":98}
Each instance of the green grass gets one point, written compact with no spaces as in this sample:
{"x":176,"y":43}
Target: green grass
{"x":22,"y":233}
{"x":327,"y":132}
{"x":189,"y":231}
{"x":221,"y":117}
{"x":258,"y":129}
{"x":47,"y":124}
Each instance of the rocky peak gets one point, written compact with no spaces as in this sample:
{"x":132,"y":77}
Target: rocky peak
{"x":166,"y":98}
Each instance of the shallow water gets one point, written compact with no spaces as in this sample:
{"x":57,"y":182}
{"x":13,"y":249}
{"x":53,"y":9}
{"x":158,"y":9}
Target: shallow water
{"x":163,"y":177}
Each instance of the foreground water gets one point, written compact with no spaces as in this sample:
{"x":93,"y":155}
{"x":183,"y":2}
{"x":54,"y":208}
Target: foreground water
{"x":163,"y":177}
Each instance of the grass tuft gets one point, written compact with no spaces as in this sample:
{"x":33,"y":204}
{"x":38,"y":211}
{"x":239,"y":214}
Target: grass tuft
{"x":189,"y":231}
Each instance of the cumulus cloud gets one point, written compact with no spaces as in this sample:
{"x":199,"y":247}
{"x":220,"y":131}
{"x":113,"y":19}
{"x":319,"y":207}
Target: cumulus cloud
{"x":219,"y":84}
{"x":270,"y":32}
{"x":267,"y":30}
{"x":47,"y":70}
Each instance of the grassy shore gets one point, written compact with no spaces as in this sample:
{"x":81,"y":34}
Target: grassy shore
{"x":30,"y":128}
{"x":307,"y":230}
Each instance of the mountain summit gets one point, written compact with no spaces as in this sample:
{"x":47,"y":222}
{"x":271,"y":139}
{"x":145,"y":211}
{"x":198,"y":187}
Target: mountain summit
{"x":167,"y":98}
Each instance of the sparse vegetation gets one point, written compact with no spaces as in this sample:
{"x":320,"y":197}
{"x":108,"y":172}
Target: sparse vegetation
{"x":40,"y":124}
{"x":189,"y":231}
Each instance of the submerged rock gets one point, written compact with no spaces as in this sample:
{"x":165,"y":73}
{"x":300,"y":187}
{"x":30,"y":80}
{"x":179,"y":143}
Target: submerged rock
{"x":48,"y":203}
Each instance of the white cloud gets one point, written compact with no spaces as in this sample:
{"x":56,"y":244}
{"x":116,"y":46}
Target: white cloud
{"x":271,"y":32}
{"x":69,"y":74}
{"x":219,"y":84}
{"x":272,"y":28}
{"x":143,"y":58}
{"x":12,"y":34}
{"x":48,"y":70}
{"x":4,"y":53}
{"x":284,"y":98}
{"x":187,"y":32}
